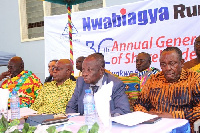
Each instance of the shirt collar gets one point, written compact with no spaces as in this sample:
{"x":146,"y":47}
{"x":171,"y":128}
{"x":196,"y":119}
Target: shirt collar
{"x":99,"y":83}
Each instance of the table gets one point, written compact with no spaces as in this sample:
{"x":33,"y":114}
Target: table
{"x":165,"y":125}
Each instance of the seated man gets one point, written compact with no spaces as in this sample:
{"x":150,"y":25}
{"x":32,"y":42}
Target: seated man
{"x":50,"y":68}
{"x":54,"y":96}
{"x":194,"y":64}
{"x":173,"y":92}
{"x":93,"y":73}
{"x":24,"y":82}
{"x":79,"y":62}
{"x":143,"y":62}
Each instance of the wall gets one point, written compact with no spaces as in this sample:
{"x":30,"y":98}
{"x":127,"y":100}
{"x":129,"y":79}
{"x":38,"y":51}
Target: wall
{"x":31,"y":52}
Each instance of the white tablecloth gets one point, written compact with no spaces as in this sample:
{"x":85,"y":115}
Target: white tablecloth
{"x":165,"y":125}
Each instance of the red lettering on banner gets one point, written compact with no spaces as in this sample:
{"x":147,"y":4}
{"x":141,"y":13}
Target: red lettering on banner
{"x":179,"y":41}
{"x":145,"y":45}
{"x":154,"y":58}
{"x":138,"y":45}
{"x":192,"y":40}
{"x":114,"y":60}
{"x":186,"y":39}
{"x":192,"y":55}
{"x":151,"y":42}
{"x":133,"y":56}
{"x":121,"y":46}
{"x":185,"y":53}
{"x":131,"y":46}
{"x":128,"y":59}
{"x":168,"y":42}
{"x":115,"y":46}
{"x":162,"y":42}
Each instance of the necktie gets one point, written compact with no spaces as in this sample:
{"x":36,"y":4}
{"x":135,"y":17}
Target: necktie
{"x":94,"y":88}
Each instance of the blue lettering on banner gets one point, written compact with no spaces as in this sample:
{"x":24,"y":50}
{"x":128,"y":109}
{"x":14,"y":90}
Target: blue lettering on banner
{"x":90,"y":44}
{"x":144,"y":17}
{"x":122,"y":73}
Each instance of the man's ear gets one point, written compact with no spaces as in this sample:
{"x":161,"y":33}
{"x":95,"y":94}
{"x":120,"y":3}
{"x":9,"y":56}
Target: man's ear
{"x":102,"y":70}
{"x":182,"y":62}
{"x":22,"y":66}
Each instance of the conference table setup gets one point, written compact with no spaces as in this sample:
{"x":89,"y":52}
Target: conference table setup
{"x":135,"y":122}
{"x":165,"y":125}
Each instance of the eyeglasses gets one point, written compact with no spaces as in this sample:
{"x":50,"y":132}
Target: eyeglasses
{"x":57,"y":69}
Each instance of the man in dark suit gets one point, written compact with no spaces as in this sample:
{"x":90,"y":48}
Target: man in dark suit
{"x":93,"y":74}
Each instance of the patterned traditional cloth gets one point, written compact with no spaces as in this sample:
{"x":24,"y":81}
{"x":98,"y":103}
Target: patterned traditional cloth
{"x":196,"y":68}
{"x":181,"y":98}
{"x":26,"y":84}
{"x":54,"y":99}
{"x":144,"y":75}
{"x":132,"y":88}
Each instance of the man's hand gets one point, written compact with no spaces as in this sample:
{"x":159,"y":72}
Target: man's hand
{"x":5,"y":75}
{"x":161,"y":114}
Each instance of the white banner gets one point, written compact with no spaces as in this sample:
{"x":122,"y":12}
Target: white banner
{"x":121,"y":32}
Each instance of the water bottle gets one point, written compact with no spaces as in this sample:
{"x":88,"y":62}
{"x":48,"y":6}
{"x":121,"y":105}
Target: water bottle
{"x":15,"y":105}
{"x":89,"y":108}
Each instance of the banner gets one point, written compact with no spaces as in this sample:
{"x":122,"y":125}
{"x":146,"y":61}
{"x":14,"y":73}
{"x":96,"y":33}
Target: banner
{"x":121,"y":32}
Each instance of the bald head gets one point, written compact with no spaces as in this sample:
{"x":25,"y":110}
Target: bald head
{"x":67,"y":63}
{"x":62,"y":71}
{"x":99,"y":59}
{"x":15,"y":66}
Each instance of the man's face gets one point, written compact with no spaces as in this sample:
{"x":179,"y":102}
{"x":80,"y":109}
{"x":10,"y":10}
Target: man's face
{"x":171,"y":65}
{"x":197,"y":48}
{"x":142,"y":62}
{"x":91,"y":72}
{"x":14,"y":68}
{"x":50,"y":66}
{"x":61,"y":72}
{"x":79,"y":62}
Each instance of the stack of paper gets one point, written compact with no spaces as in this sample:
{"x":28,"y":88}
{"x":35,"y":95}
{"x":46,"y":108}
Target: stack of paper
{"x":133,"y":118}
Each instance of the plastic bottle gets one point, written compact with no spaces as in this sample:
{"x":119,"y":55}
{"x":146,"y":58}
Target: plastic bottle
{"x":89,"y":108}
{"x":15,"y":105}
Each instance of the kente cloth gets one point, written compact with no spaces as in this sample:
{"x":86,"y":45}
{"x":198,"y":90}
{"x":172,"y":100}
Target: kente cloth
{"x":27,"y":85}
{"x":180,"y":98}
{"x":195,"y":68}
{"x":53,"y":99}
{"x":144,"y":75}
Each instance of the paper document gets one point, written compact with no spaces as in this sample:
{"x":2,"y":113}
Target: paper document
{"x":133,"y":118}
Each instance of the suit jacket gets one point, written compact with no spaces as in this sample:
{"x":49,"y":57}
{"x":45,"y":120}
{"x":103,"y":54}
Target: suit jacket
{"x":119,"y":101}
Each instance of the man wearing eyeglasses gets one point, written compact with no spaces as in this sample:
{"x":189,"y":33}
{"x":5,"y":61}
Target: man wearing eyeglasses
{"x":173,"y":92}
{"x":194,"y":64}
{"x":54,"y":96}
